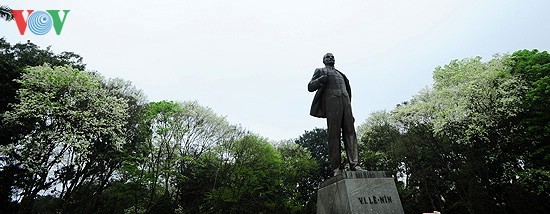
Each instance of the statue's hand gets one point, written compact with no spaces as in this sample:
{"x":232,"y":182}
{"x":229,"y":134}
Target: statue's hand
{"x":323,"y":78}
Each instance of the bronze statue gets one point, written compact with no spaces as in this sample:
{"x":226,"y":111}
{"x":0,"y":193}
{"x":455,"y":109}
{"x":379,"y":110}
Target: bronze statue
{"x":333,"y":101}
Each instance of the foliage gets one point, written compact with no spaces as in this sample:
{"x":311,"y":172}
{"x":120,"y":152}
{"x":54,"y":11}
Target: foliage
{"x":252,"y":183}
{"x":315,"y":141}
{"x":74,"y":142}
{"x":533,"y":67}
{"x":378,"y":135}
{"x":464,"y":144}
{"x":5,"y":13}
{"x":13,"y":60}
{"x":73,"y":126}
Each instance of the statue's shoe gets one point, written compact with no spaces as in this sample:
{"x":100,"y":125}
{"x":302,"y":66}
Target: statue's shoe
{"x":356,"y":168}
{"x":337,"y":172}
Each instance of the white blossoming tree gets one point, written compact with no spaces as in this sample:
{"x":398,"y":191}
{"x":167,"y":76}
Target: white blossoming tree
{"x":70,"y":127}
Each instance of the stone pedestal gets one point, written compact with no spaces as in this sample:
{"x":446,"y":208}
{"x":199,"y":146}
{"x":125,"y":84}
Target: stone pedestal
{"x":359,"y":192}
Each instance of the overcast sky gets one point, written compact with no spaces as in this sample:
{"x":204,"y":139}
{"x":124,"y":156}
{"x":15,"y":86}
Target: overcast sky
{"x":251,"y":60}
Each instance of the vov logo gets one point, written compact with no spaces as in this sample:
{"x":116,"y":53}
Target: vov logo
{"x":39,"y":22}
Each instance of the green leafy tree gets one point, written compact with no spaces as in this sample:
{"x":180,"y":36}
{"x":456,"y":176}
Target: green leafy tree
{"x":179,"y":133}
{"x":194,"y":185}
{"x":316,"y":142}
{"x":299,"y":168}
{"x":378,"y":136}
{"x":168,"y":131}
{"x":533,"y":67}
{"x":251,"y":182}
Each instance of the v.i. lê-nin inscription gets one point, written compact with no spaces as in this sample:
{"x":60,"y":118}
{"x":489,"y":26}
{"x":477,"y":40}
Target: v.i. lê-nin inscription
{"x":375,"y":200}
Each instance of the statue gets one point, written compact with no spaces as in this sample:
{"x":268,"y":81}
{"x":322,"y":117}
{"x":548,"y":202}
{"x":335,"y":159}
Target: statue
{"x":333,"y":101}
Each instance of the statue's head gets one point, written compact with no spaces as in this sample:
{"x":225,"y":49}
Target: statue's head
{"x":328,"y":59}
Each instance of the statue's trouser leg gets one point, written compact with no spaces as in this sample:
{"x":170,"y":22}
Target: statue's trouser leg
{"x":348,"y":133}
{"x":334,"y":123}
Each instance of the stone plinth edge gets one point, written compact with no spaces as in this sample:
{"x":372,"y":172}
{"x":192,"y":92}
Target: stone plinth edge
{"x":356,"y":175}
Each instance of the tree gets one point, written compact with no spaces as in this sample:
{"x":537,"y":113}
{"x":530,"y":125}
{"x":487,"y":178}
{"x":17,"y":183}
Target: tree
{"x":533,"y":67}
{"x":378,"y":136}
{"x":316,"y":142}
{"x":14,"y":59}
{"x":424,"y":159}
{"x":300,"y":171}
{"x":463,"y":145}
{"x":194,"y":185}
{"x":478,"y":103}
{"x":108,"y":163}
{"x":168,"y":131}
{"x":5,"y":13}
{"x":175,"y":136}
{"x":72,"y":122}
{"x":251,"y":182}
